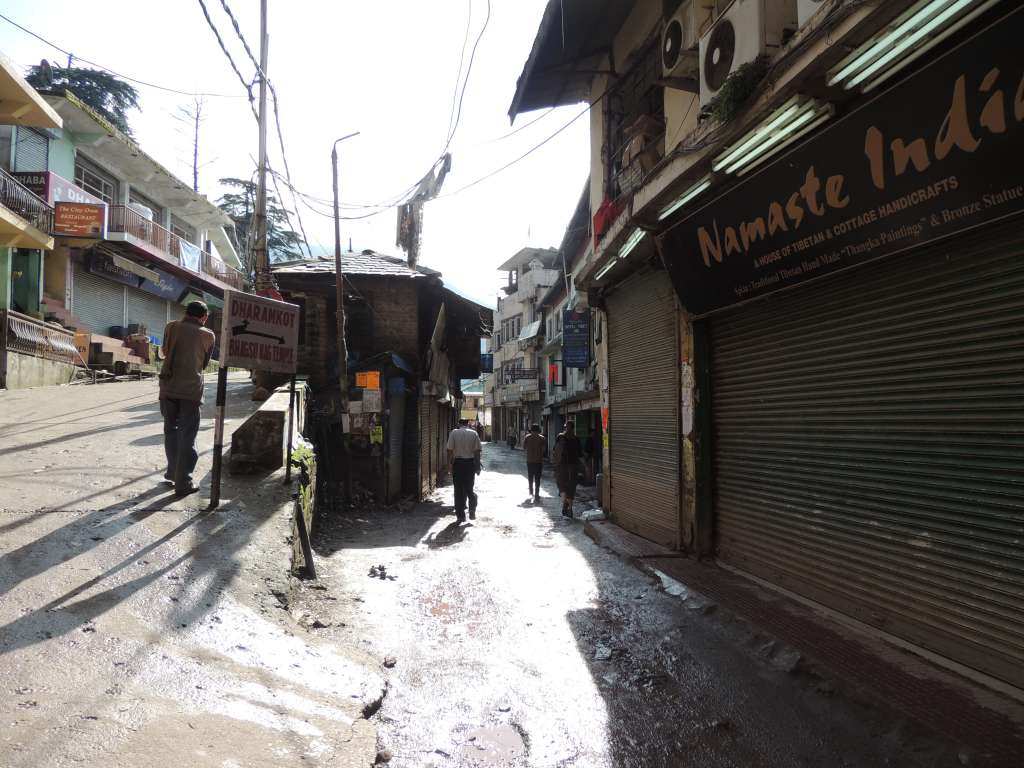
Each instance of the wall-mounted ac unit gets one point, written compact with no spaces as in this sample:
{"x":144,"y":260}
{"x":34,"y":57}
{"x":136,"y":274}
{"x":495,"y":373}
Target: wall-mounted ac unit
{"x":681,"y":38}
{"x":744,"y":30}
{"x":807,"y":8}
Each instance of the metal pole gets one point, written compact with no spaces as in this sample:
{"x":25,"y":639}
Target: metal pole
{"x":218,"y":438}
{"x":339,"y":290}
{"x":260,"y":258}
{"x":291,"y":424}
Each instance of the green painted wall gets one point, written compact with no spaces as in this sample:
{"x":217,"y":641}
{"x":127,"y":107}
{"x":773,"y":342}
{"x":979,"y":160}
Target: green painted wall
{"x":62,"y":156}
{"x":5,"y":278}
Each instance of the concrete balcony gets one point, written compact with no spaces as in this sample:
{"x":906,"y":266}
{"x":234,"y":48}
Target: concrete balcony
{"x":25,"y":218}
{"x":146,"y":236}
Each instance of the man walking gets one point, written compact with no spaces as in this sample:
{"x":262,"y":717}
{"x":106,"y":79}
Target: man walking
{"x":566,"y":458}
{"x":464,"y":458}
{"x":187,"y":349}
{"x":534,"y":445}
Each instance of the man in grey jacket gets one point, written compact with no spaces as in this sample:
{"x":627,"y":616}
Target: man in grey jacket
{"x":187,"y":349}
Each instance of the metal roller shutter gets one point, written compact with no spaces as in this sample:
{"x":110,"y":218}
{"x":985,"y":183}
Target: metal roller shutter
{"x":98,"y":303}
{"x":869,"y":448}
{"x":148,"y":310}
{"x":31,"y":150}
{"x":643,"y":361}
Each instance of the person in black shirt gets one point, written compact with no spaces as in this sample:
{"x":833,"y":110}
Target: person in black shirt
{"x":566,"y":458}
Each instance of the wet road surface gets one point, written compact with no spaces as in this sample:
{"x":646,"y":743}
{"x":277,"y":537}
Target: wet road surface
{"x":135,"y":630}
{"x":516,"y":641}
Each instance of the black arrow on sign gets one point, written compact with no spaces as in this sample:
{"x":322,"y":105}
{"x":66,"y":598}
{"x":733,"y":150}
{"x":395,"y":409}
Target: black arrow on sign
{"x":240,"y":330}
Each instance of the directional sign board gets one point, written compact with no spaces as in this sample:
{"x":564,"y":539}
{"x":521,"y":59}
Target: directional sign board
{"x":259,"y":334}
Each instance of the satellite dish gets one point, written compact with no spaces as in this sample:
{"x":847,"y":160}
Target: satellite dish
{"x":720,"y":53}
{"x":46,"y":73}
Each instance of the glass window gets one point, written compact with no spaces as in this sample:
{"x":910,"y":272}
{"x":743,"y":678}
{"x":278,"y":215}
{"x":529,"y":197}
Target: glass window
{"x":95,"y":181}
{"x":184,"y":230}
{"x":140,"y":199}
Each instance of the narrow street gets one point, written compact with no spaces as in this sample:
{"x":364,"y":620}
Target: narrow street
{"x":515,"y":640}
{"x":136,"y":629}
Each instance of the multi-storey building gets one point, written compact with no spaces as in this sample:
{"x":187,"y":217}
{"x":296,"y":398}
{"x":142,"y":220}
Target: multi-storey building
{"x":517,"y":386}
{"x":807,"y":254}
{"x":126,"y":242}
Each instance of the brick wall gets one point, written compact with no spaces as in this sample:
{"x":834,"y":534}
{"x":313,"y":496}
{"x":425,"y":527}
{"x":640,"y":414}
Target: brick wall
{"x":393,"y":313}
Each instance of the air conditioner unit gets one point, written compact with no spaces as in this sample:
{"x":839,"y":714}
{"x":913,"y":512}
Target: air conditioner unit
{"x":743,"y":31}
{"x":807,"y":8}
{"x":681,"y":37}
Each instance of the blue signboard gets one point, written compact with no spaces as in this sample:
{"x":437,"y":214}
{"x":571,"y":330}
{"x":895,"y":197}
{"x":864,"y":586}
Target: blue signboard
{"x":166,"y":287}
{"x":575,"y":339}
{"x":487,"y":363}
{"x":103,"y":265}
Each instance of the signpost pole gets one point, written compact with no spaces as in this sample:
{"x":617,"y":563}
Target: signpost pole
{"x":291,"y":423}
{"x":222,"y":389}
{"x":218,"y":436}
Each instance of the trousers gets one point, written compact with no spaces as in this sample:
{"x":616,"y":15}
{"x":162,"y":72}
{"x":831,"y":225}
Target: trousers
{"x":463,"y":476}
{"x":181,"y":425}
{"x":533,"y":473}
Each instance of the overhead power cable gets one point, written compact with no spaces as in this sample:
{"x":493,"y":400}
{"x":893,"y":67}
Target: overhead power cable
{"x":230,"y":58}
{"x":114,"y":73}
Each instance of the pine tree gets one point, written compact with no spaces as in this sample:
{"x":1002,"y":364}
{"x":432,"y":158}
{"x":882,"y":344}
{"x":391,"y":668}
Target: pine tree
{"x":282,"y":243}
{"x":108,"y":95}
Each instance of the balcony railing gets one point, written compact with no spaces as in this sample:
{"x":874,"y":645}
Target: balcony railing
{"x":29,"y":336}
{"x":16,"y":197}
{"x":125,"y":220}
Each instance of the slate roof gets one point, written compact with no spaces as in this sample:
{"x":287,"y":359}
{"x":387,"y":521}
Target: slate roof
{"x":355,"y":263}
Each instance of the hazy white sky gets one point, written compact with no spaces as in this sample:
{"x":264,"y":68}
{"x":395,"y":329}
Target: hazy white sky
{"x":386,"y":68}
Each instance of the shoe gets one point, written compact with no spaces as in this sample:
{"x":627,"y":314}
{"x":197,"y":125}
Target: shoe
{"x":536,"y":499}
{"x":186,"y":491}
{"x":472,"y":514}
{"x":168,"y":480}
{"x":460,"y":518}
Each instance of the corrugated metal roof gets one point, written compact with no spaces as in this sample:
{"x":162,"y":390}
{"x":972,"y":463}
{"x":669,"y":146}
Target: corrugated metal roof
{"x":572,"y":43}
{"x":355,"y":263}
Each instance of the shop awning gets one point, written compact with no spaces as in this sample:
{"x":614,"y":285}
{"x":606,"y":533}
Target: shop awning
{"x":572,"y":44}
{"x":212,"y":301}
{"x":130,"y":266}
{"x":530,"y":331}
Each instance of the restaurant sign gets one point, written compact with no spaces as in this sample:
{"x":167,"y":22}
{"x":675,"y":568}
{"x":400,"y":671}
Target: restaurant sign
{"x":938,"y":154}
{"x":86,"y":220}
{"x":259,"y":334}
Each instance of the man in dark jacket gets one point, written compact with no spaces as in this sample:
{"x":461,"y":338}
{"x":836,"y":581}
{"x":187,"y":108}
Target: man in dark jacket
{"x":566,"y":458}
{"x":187,"y":349}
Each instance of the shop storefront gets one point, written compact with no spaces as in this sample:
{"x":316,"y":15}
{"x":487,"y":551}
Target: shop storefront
{"x":108,"y":295}
{"x":867,"y":422}
{"x":643,"y":401}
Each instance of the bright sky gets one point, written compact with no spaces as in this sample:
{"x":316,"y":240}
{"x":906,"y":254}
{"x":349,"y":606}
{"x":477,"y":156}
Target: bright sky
{"x":385,"y":68}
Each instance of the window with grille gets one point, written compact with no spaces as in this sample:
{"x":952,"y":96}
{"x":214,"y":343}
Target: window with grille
{"x":140,"y":199}
{"x":95,"y":180}
{"x":184,"y":230}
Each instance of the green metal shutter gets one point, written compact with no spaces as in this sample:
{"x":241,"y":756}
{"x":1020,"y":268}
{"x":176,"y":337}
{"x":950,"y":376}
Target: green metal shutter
{"x":98,"y":303}
{"x":869,"y":447}
{"x":643,"y":400}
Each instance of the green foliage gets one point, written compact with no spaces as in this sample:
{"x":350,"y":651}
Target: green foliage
{"x":108,"y":95}
{"x":239,"y":203}
{"x":738,"y":87}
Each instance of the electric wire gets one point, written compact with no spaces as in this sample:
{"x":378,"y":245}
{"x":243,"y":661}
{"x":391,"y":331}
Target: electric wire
{"x":114,"y":73}
{"x":230,"y":58}
{"x":458,"y":75}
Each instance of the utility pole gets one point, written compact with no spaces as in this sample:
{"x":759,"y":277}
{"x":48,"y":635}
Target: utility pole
{"x":265,"y":284}
{"x":339,"y":290}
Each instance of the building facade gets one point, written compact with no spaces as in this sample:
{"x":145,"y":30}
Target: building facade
{"x":410,"y":343}
{"x":517,"y":385}
{"x":130,"y":244}
{"x":813,"y":297}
